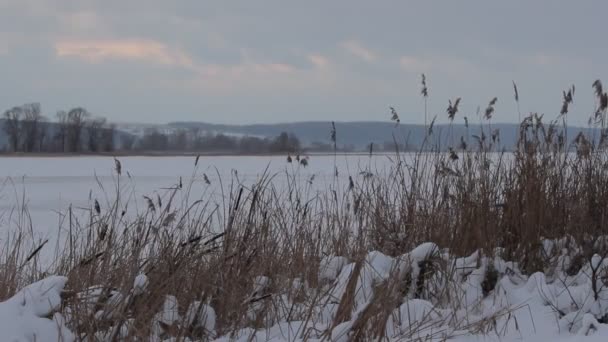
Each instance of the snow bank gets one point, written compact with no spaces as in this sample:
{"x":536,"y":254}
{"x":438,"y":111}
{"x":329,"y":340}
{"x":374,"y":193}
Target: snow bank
{"x":462,"y":299}
{"x":24,"y":316}
{"x":424,"y":295}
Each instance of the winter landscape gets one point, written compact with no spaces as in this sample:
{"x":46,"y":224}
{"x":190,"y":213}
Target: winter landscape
{"x":316,"y":171}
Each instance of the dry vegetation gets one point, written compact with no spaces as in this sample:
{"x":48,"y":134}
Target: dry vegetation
{"x":255,"y":257}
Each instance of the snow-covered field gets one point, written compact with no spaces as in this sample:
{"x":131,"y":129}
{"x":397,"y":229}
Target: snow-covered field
{"x":49,"y":185}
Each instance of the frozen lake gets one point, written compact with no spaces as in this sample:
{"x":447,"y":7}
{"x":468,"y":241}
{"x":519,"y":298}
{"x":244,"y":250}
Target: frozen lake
{"x":48,"y":186}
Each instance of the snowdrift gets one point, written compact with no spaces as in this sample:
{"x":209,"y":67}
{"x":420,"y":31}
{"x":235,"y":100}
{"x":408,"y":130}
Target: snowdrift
{"x":425,"y":294}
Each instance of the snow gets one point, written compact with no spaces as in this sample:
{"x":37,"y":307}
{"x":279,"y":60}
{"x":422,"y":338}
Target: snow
{"x":140,"y":284}
{"x":557,"y":308}
{"x":330,"y":267}
{"x":424,"y":251}
{"x":24,"y":316}
{"x":201,"y":315}
{"x":170,"y":312}
{"x":48,"y":186}
{"x":560,"y":307}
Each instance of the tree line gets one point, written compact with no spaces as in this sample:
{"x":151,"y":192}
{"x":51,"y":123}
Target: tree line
{"x":195,"y":140}
{"x":79,"y":131}
{"x":76,"y":130}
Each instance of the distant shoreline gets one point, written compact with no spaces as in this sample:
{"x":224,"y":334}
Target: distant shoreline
{"x":181,"y":154}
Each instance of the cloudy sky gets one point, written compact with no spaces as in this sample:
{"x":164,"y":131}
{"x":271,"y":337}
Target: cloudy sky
{"x":276,"y":61}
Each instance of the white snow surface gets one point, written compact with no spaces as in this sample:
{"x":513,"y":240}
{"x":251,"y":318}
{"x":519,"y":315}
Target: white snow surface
{"x":51,"y":184}
{"x":330,"y":267}
{"x":24,"y":316}
{"x":559,"y":307}
{"x":520,"y":308}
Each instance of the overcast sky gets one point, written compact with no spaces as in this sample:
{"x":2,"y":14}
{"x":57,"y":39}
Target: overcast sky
{"x":276,"y":61}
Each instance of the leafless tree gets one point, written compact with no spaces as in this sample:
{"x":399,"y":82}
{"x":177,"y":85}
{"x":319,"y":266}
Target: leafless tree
{"x":193,"y":134}
{"x":12,"y":126}
{"x":62,"y":130}
{"x":42,"y":138}
{"x":153,"y":140}
{"x":107,"y":138}
{"x":180,"y":140}
{"x":285,"y":143}
{"x":76,"y":120}
{"x":94,"y":130}
{"x":30,"y":126}
{"x":127,"y":141}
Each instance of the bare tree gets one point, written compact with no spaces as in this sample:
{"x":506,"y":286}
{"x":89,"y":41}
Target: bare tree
{"x":62,"y":130}
{"x":285,"y":143}
{"x":153,"y":140}
{"x":30,"y":126}
{"x":94,"y":130}
{"x":179,"y":140}
{"x":42,"y":131}
{"x":75,"y":122}
{"x":127,"y":141}
{"x":107,"y":138}
{"x":12,"y":126}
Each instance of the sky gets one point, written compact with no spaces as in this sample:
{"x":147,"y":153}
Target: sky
{"x":261,"y":61}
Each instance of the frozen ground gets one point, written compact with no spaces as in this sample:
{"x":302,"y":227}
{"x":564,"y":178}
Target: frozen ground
{"x":49,"y":185}
{"x":37,"y":193}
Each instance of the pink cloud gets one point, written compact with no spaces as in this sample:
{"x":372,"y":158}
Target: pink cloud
{"x":150,"y":51}
{"x":210,"y":77}
{"x":358,"y":50}
{"x":318,"y":61}
{"x":96,"y":51}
